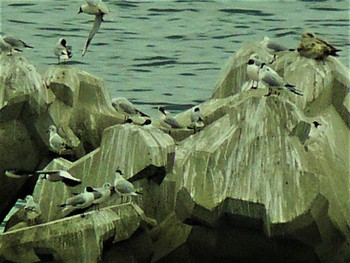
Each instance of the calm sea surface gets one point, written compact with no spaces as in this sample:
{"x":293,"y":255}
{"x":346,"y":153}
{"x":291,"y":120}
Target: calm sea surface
{"x":168,"y":52}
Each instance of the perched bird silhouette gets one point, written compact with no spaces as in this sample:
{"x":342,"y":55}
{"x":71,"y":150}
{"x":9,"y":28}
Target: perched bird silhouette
{"x":98,"y":9}
{"x":314,"y":47}
{"x":271,"y":79}
{"x":62,"y":51}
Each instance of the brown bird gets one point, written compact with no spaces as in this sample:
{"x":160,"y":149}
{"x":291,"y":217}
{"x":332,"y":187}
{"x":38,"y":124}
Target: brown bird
{"x":314,"y":47}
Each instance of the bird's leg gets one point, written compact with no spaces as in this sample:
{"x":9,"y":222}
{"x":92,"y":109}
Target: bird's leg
{"x":254,"y":87}
{"x":269,"y":93}
{"x":273,"y":59}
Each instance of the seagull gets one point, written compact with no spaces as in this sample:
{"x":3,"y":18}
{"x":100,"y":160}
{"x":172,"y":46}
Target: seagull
{"x":273,"y":47}
{"x":50,"y":175}
{"x":124,"y":106}
{"x":314,"y":47}
{"x":123,"y":186}
{"x":79,"y":201}
{"x":98,"y":9}
{"x":57,"y":143}
{"x":62,"y":51}
{"x":100,"y":194}
{"x":274,"y":81}
{"x":168,"y":121}
{"x":196,"y":118}
{"x":10,"y":43}
{"x":253,"y":67}
{"x":59,"y":175}
{"x":31,"y":209}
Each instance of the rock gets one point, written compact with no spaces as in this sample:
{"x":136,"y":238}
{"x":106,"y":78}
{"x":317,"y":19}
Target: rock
{"x":258,"y":172}
{"x":37,"y":243}
{"x":266,"y":177}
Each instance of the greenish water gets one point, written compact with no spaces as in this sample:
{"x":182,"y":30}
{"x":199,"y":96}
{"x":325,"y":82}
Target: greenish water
{"x":168,"y":52}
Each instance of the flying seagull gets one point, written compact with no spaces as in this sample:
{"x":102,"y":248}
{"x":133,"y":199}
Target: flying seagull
{"x":98,"y":9}
{"x":49,"y":175}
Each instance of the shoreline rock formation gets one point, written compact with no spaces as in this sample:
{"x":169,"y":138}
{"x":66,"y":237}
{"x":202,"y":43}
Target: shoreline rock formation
{"x":266,"y":179}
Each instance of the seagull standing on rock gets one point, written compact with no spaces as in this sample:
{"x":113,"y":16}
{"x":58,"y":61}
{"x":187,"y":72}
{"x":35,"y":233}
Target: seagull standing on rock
{"x":62,"y":51}
{"x":57,"y":143}
{"x":168,"y":121}
{"x":196,"y":118}
{"x":100,"y":194}
{"x":123,"y":186}
{"x":79,"y":201}
{"x":31,"y":208}
{"x":11,"y":43}
{"x":274,"y":81}
{"x":253,"y":67}
{"x":98,"y":9}
{"x":125,"y":107}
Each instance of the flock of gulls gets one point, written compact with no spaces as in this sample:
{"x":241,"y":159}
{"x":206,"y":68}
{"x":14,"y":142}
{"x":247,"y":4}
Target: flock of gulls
{"x":257,"y":70}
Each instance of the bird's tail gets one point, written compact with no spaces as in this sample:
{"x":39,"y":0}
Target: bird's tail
{"x":28,"y":46}
{"x":293,"y":89}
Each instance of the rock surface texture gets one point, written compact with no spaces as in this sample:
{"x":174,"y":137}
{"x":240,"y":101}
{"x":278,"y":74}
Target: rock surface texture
{"x":266,"y":180}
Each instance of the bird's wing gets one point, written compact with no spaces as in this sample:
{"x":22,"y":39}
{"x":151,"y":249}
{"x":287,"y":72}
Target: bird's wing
{"x":276,"y":46}
{"x":128,"y":107}
{"x":18,"y":174}
{"x":94,"y":29}
{"x":272,"y":79}
{"x":15,"y":42}
{"x":172,"y":122}
{"x":93,"y":2}
{"x":76,"y":200}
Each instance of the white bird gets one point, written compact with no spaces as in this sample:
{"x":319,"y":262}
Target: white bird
{"x":98,"y":9}
{"x":50,"y":175}
{"x":274,"y":81}
{"x":168,"y":121}
{"x":57,"y":143}
{"x":123,"y":186}
{"x":272,"y":46}
{"x":62,"y":51}
{"x":253,"y":67}
{"x":196,"y":118}
{"x":100,"y":194}
{"x":79,"y":201}
{"x":11,"y":43}
{"x":124,"y":106}
{"x":31,"y":208}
